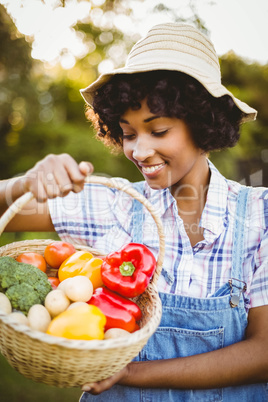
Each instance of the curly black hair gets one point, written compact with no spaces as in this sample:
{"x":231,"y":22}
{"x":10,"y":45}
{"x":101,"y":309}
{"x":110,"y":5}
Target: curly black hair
{"x":213,"y":122}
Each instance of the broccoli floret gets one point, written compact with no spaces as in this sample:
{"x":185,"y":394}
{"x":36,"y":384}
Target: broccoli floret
{"x":27,"y":273}
{"x":22,"y":296}
{"x":24,"y":284}
{"x":7,"y":272}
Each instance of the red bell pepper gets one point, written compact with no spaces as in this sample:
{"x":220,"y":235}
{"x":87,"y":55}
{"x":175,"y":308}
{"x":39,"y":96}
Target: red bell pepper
{"x":128,"y":270}
{"x":119,"y":311}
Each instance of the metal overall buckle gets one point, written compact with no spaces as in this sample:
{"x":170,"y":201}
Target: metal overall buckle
{"x":234,"y":297}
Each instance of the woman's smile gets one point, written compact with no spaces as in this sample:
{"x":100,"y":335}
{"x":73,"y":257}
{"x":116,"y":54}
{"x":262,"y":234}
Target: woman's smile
{"x":151,"y":170}
{"x":162,"y":148}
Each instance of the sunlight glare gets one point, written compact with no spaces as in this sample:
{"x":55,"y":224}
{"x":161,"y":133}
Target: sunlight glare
{"x":51,"y":28}
{"x":105,"y":66}
{"x":232,"y":24}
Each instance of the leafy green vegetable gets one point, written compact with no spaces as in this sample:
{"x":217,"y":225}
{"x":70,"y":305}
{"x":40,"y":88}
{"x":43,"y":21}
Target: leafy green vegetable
{"x":24,"y":284}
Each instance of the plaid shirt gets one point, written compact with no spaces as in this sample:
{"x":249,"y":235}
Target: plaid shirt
{"x":102,"y":218}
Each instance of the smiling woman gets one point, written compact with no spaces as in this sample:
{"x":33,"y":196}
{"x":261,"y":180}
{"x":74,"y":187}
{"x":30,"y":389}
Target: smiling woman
{"x":166,"y":109}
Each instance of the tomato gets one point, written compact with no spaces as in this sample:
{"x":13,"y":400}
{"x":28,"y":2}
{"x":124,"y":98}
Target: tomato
{"x":34,"y":259}
{"x":57,"y":251}
{"x":54,"y":281}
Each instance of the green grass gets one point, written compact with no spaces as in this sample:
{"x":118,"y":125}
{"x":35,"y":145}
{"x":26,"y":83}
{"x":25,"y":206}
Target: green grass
{"x":10,"y":237}
{"x":16,"y":388}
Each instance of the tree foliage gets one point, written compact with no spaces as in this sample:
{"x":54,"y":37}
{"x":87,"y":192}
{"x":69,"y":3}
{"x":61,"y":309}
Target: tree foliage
{"x":42,"y":110}
{"x":248,"y":82}
{"x":43,"y":114}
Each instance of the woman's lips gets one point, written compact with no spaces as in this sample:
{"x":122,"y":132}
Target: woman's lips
{"x":151,"y":170}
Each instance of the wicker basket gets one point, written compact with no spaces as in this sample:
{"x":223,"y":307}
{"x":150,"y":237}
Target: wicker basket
{"x":71,"y":363}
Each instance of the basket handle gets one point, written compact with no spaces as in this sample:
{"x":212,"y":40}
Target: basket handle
{"x":14,"y":209}
{"x":111,"y":183}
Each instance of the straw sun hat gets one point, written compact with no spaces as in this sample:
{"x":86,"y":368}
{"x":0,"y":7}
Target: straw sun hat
{"x":177,"y":47}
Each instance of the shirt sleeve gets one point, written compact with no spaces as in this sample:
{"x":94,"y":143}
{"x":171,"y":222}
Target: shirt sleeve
{"x":259,"y":286}
{"x":98,"y":217}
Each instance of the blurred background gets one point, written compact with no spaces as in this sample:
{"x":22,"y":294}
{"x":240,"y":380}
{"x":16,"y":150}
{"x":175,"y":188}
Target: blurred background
{"x":52,"y":48}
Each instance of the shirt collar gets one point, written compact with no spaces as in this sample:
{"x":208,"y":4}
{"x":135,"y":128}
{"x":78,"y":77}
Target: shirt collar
{"x":214,"y":215}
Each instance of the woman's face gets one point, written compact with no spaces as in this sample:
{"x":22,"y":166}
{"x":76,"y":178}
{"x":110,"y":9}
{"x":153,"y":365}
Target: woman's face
{"x":161,"y":147}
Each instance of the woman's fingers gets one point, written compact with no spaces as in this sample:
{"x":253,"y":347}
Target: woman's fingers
{"x":86,"y":168}
{"x":36,"y":183}
{"x":67,"y":176}
{"x":56,"y":175}
{"x":97,"y":388}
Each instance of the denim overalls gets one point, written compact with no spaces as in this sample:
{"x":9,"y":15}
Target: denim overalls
{"x":191,"y":326}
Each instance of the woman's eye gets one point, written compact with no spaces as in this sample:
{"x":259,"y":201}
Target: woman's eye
{"x":128,"y":136}
{"x":159,"y":133}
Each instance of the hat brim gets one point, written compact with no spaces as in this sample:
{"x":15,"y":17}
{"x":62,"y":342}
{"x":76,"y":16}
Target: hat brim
{"x":214,"y":88}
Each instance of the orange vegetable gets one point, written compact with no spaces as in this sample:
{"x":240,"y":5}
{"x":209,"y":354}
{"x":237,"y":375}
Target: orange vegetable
{"x":34,"y":259}
{"x":82,"y":263}
{"x":82,"y":322}
{"x":57,"y":251}
{"x":54,"y":281}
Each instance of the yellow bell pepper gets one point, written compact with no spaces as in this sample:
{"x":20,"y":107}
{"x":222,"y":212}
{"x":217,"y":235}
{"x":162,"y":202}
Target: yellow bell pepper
{"x":84,"y":322}
{"x":82,"y":263}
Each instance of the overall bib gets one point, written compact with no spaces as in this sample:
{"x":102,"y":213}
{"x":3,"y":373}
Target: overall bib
{"x":192,"y":326}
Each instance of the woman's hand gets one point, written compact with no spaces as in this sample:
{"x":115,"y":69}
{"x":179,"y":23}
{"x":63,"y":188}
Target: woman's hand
{"x":55,"y":175}
{"x":97,"y":388}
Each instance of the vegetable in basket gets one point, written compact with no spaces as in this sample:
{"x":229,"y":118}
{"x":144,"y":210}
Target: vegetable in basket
{"x":54,"y":281}
{"x":119,"y":311}
{"x":24,"y":284}
{"x":82,"y":263}
{"x":57,"y":252}
{"x":128,"y":270}
{"x":77,"y":288}
{"x":84,"y":322}
{"x":5,"y":305}
{"x":35,"y":259}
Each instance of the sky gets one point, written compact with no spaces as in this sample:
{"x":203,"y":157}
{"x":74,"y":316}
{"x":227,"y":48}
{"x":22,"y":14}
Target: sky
{"x":239,"y":25}
{"x":234,"y":25}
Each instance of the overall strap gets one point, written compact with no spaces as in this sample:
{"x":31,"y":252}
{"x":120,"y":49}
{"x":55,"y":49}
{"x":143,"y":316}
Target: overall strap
{"x":137,"y":215}
{"x":239,"y":230}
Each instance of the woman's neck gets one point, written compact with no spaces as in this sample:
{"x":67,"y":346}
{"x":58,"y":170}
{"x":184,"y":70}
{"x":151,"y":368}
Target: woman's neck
{"x":191,"y":196}
{"x":192,"y":190}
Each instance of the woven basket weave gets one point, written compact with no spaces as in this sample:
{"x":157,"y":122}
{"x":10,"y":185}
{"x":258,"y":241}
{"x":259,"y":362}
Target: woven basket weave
{"x":71,"y":363}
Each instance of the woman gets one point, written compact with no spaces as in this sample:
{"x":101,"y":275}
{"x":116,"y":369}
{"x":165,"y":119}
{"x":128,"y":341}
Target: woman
{"x":167,"y":109}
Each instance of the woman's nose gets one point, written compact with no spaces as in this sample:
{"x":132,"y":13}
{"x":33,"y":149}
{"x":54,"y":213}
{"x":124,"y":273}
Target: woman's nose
{"x":142,"y":150}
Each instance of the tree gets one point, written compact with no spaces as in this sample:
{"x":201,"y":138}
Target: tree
{"x":42,"y":113}
{"x":16,"y":88}
{"x":248,"y":160}
{"x":42,"y":110}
